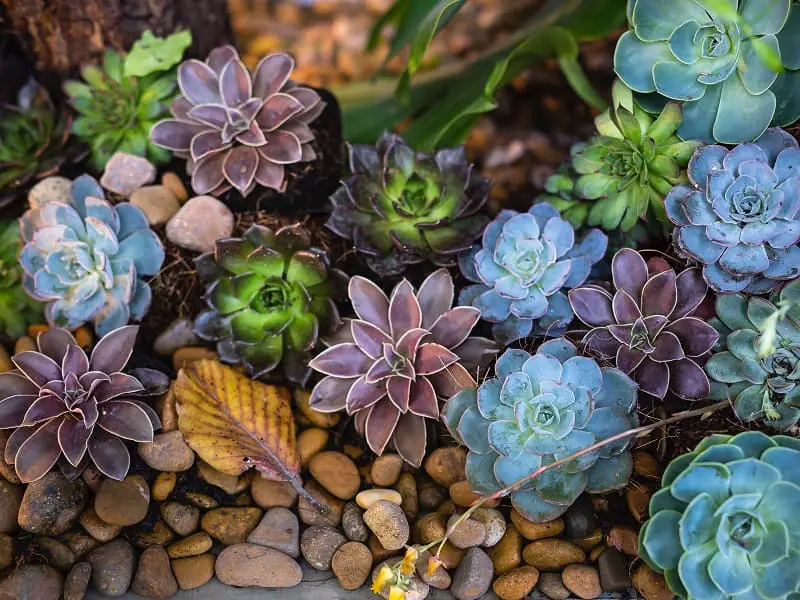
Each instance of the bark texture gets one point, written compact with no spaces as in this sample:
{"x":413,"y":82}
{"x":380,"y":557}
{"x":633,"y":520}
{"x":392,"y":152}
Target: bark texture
{"x":62,"y":34}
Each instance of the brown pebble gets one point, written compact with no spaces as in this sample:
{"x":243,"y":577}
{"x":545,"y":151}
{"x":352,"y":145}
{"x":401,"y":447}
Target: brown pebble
{"x":154,"y":578}
{"x":440,"y":578}
{"x":160,"y":535}
{"x":336,"y":473}
{"x":407,"y":486}
{"x":96,"y":527}
{"x":195,"y":571}
{"x":624,"y":539}
{"x":517,"y":583}
{"x":352,"y":564}
{"x":310,"y":443}
{"x":536,"y":531}
{"x":386,"y":470}
{"x":367,"y":498}
{"x":311,"y":515}
{"x":227,"y":483}
{"x":466,"y":534}
{"x":552,"y":554}
{"x":174,"y":184}
{"x":269,"y":494}
{"x":230,"y":525}
{"x":650,"y":584}
{"x":388,"y":522}
{"x":447,"y":509}
{"x":431,"y":496}
{"x":645,"y":465}
{"x":507,"y":553}
{"x":451,"y":556}
{"x":590,"y":541}
{"x":582,"y":580}
{"x":77,"y":581}
{"x":201,"y":500}
{"x":163,"y":486}
{"x":379,"y":553}
{"x":447,"y":465}
{"x":189,"y":354}
{"x":431,"y":527}
{"x":193,"y":545}
{"x":316,"y":418}
{"x":24,"y":344}
{"x":123,"y":503}
{"x":638,"y":499}
{"x":167,"y":410}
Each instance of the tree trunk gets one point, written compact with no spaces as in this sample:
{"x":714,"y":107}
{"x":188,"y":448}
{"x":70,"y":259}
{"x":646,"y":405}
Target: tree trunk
{"x":62,"y":34}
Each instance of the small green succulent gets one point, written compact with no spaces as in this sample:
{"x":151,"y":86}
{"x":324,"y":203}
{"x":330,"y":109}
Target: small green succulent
{"x":724,"y":524}
{"x":559,"y":192}
{"x":151,"y":54}
{"x":116,"y":112}
{"x":17,"y":308}
{"x":632,"y":164}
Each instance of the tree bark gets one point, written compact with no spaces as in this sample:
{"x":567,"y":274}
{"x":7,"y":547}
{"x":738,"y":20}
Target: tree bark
{"x":62,"y":34}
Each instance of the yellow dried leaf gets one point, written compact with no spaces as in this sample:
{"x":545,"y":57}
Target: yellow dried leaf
{"x":235,"y":423}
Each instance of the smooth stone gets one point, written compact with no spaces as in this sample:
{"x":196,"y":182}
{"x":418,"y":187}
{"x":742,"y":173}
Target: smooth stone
{"x":389,"y":524}
{"x":439,"y":579}
{"x":318,"y":544}
{"x":353,"y":523}
{"x":536,"y":531}
{"x":10,"y":500}
{"x":331,"y":514}
{"x":466,"y":534}
{"x":613,"y":569}
{"x":157,"y":203}
{"x":32,"y":582}
{"x":650,"y":584}
{"x":189,"y":354}
{"x":552,"y":554}
{"x":80,"y":543}
{"x":178,"y":334}
{"x":123,"y":503}
{"x":278,"y":529}
{"x":154,"y":578}
{"x":7,"y":470}
{"x":181,"y":518}
{"x":194,"y":571}
{"x":125,"y":173}
{"x":92,"y":477}
{"x":231,"y":525}
{"x":203,"y":501}
{"x":5,"y":366}
{"x":50,"y":189}
{"x":550,"y":585}
{"x":507,"y":553}
{"x":58,"y":554}
{"x":379,"y":553}
{"x":112,"y":567}
{"x":624,"y":539}
{"x":473,"y":577}
{"x":417,"y":589}
{"x":447,"y":465}
{"x":163,"y":486}
{"x":517,"y":583}
{"x":311,"y":442}
{"x":267,"y":493}
{"x":159,"y":535}
{"x":96,"y":527}
{"x":77,"y":581}
{"x":336,"y":473}
{"x":352,"y":564}
{"x":168,"y":452}
{"x":431,"y":527}
{"x":227,"y":483}
{"x":645,"y":465}
{"x":590,"y":541}
{"x":462,"y":495}
{"x":367,"y":498}
{"x":451,"y":556}
{"x":638,"y":500}
{"x":174,"y":184}
{"x":582,"y":580}
{"x":24,"y":343}
{"x":580,"y":520}
{"x":316,"y":418}
{"x":431,"y":497}
{"x":51,"y":506}
{"x":6,"y":550}
{"x":493,"y":522}
{"x":193,"y":545}
{"x":251,"y":565}
{"x":407,"y":487}
{"x":386,"y":469}
{"x":199,"y":223}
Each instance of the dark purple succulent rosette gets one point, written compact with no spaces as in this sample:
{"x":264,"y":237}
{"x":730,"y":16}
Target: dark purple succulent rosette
{"x":647,"y":327}
{"x":74,"y":410}
{"x":238,"y":129}
{"x":391,"y":366}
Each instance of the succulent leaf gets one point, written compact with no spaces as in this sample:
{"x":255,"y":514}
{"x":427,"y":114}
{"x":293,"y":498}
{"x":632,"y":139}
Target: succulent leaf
{"x":17,"y":308}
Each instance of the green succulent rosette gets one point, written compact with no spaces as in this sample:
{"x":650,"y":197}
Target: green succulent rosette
{"x":17,"y":308}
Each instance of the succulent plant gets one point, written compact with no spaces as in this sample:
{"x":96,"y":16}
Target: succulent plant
{"x":711,"y":56}
{"x":647,"y":327}
{"x":17,"y":308}
{"x":559,"y":192}
{"x":738,"y":217}
{"x":116,"y":112}
{"x":86,"y":259}
{"x":761,"y":387}
{"x":270,"y":295}
{"x":392,"y":365}
{"x":72,"y":409}
{"x":33,"y":140}
{"x":523,"y":263}
{"x":627,"y":169}
{"x":539,"y":409}
{"x":402,"y":208}
{"x":724,"y":524}
{"x":238,"y":129}
{"x":151,"y":54}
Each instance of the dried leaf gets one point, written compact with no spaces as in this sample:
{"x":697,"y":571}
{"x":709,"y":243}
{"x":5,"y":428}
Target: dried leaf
{"x":235,"y":423}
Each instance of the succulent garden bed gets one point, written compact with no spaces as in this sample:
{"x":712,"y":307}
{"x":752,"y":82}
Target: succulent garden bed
{"x":239,"y":351}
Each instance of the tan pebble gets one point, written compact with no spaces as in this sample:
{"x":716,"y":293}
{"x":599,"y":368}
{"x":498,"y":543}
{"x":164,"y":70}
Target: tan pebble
{"x":190,"y":354}
{"x":494,"y":522}
{"x":462,"y":495}
{"x":246,"y":480}
{"x":123,"y":503}
{"x":624,"y":539}
{"x":638,"y":499}
{"x":181,"y":518}
{"x":163,"y":486}
{"x":353,"y":452}
{"x":582,"y":580}
{"x":5,"y":361}
{"x":517,"y":583}
{"x":536,"y":531}
{"x":645,"y":465}
{"x":24,"y":344}
{"x":386,"y":470}
{"x":447,"y":465}
{"x":230,"y":525}
{"x":465,"y":534}
{"x":96,"y":527}
{"x":83,"y":335}
{"x":243,"y":499}
{"x":80,"y":543}
{"x":37,"y":328}
{"x":193,"y":572}
{"x":165,"y":406}
{"x":379,"y":553}
{"x":201,"y":500}
{"x":310,"y":443}
{"x":447,"y":509}
{"x":552,"y":554}
{"x":160,"y":535}
{"x":590,"y":541}
{"x":431,"y":527}
{"x":168,"y":452}
{"x":157,"y":203}
{"x":407,"y":487}
{"x":174,"y":184}
{"x":93,"y":478}
{"x":311,"y":515}
{"x":440,"y":578}
{"x":596,"y":552}
{"x":451,"y":556}
{"x":352,"y":564}
{"x":431,"y":496}
{"x":337,"y":474}
{"x":650,"y":584}
{"x":268,"y":493}
{"x":388,"y":522}
{"x":367,"y":498}
{"x":225,"y":482}
{"x":319,"y":419}
{"x":507,"y":553}
{"x":194,"y":545}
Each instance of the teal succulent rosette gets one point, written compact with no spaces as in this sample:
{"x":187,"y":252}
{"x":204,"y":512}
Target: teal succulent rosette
{"x":724,"y":524}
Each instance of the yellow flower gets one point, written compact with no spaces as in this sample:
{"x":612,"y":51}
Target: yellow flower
{"x":397,"y":593}
{"x":434,"y":562}
{"x":385,"y":576}
{"x":409,"y":564}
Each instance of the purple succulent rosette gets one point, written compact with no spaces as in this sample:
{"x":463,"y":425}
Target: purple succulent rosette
{"x":523,"y":263}
{"x":74,"y":410}
{"x":392,"y":365}
{"x":646,"y":327}
{"x":739,"y":216}
{"x":238,"y":129}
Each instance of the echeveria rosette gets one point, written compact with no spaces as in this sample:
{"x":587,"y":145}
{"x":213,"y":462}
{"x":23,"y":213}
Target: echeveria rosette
{"x":539,"y":409}
{"x":238,"y":129}
{"x":704,"y":55}
{"x":402,"y":208}
{"x":647,"y":327}
{"x":625,"y":171}
{"x":724,"y":523}
{"x":740,"y":214}
{"x":74,"y":410}
{"x":86,"y":259}
{"x":17,"y":308}
{"x":391,"y":366}
{"x":761,"y":388}
{"x":524,"y":262}
{"x":270,"y":296}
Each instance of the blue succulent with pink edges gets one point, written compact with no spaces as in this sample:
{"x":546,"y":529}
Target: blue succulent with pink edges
{"x":521,"y":268}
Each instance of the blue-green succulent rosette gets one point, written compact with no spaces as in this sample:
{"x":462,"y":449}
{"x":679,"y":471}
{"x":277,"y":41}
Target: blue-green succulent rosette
{"x":539,"y":409}
{"x":710,"y":55}
{"x":521,"y":268}
{"x":85,"y":259}
{"x":740,"y":214}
